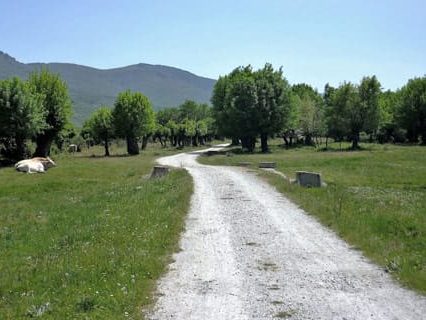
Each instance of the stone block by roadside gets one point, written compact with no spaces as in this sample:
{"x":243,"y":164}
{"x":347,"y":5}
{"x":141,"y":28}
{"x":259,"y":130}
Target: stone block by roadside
{"x":159,"y":171}
{"x":267,"y":165}
{"x":309,"y":179}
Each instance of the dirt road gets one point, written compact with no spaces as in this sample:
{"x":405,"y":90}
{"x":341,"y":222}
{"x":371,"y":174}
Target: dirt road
{"x":249,"y":253}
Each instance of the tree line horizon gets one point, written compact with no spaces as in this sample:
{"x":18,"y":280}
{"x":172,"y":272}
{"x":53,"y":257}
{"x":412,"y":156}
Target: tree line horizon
{"x":247,"y":105}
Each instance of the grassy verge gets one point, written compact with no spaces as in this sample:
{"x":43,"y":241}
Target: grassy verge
{"x":375,"y":199}
{"x":89,"y":238}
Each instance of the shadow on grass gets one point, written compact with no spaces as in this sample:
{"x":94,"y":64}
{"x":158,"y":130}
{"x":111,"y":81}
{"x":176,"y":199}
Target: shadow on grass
{"x":6,"y":163}
{"x":98,"y":156}
{"x":348,"y":149}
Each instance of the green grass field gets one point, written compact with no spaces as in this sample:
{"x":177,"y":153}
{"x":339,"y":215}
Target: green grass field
{"x":88,"y":239}
{"x":375,"y":199}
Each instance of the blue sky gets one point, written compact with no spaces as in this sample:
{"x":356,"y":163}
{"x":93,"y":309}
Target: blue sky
{"x":315,"y":41}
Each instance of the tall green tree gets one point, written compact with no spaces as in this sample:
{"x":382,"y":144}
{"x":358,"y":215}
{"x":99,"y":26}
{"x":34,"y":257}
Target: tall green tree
{"x":228,"y":106}
{"x":100,"y":125}
{"x":411,"y":109}
{"x":166,"y":126}
{"x":134,"y":118}
{"x":273,"y":103}
{"x":369,"y":93}
{"x":220,"y":110}
{"x":21,"y":117}
{"x":352,"y":109}
{"x":309,"y":107}
{"x":57,"y":108}
{"x":335,"y":112}
{"x":389,"y":130}
{"x":249,"y":104}
{"x":241,"y":104}
{"x":306,"y":111}
{"x":344,"y":113}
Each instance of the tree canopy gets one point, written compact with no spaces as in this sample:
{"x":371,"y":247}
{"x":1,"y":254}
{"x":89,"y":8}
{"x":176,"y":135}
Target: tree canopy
{"x":21,"y":117}
{"x":56,"y":104}
{"x":308,"y":108}
{"x":100,"y":126}
{"x":248,"y":104}
{"x":411,"y":109}
{"x":189,"y":124}
{"x":133,"y":118}
{"x":351,"y":109}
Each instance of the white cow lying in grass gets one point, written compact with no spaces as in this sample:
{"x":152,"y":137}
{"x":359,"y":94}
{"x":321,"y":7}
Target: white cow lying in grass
{"x":35,"y":165}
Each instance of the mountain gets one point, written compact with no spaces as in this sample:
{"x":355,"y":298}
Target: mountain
{"x":90,"y":87}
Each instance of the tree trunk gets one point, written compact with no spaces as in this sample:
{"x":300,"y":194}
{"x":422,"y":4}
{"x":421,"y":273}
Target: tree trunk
{"x":144,"y":142}
{"x":423,"y":140}
{"x":195,"y":141}
{"x":235,"y":142}
{"x":132,"y":145}
{"x":21,"y":148}
{"x":60,"y":144}
{"x":291,"y":138}
{"x":285,"y":141}
{"x":180,"y":142}
{"x":412,"y":135}
{"x":264,"y":142}
{"x":355,"y":141}
{"x":244,"y":143}
{"x":248,"y":143}
{"x":106,"y":147}
{"x":44,"y":142}
{"x":423,"y":131}
{"x":252,"y":144}
{"x":326,"y":143}
{"x":308,"y":140}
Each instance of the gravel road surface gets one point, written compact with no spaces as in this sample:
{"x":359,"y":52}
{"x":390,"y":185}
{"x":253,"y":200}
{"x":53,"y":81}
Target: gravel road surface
{"x":250,"y":253}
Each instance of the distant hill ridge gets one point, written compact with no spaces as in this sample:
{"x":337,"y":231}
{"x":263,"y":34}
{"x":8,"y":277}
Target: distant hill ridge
{"x":90,"y":87}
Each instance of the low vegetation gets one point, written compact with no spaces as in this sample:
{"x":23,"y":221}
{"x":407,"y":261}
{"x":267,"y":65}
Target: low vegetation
{"x":375,"y":198}
{"x":89,"y":238}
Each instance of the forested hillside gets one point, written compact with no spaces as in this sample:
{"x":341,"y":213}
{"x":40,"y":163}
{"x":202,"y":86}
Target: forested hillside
{"x":89,"y":87}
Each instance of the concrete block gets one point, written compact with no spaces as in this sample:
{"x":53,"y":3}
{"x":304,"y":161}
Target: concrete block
{"x":267,"y":165}
{"x":308,"y":179}
{"x":159,"y":171}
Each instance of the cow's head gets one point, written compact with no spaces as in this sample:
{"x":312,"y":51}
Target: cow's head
{"x":48,"y":163}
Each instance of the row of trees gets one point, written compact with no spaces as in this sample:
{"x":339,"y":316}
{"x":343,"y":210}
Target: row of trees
{"x":247,"y":105}
{"x":133,"y":119}
{"x":251,"y":104}
{"x":189,"y":124}
{"x":345,"y":112}
{"x":37,"y":109}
